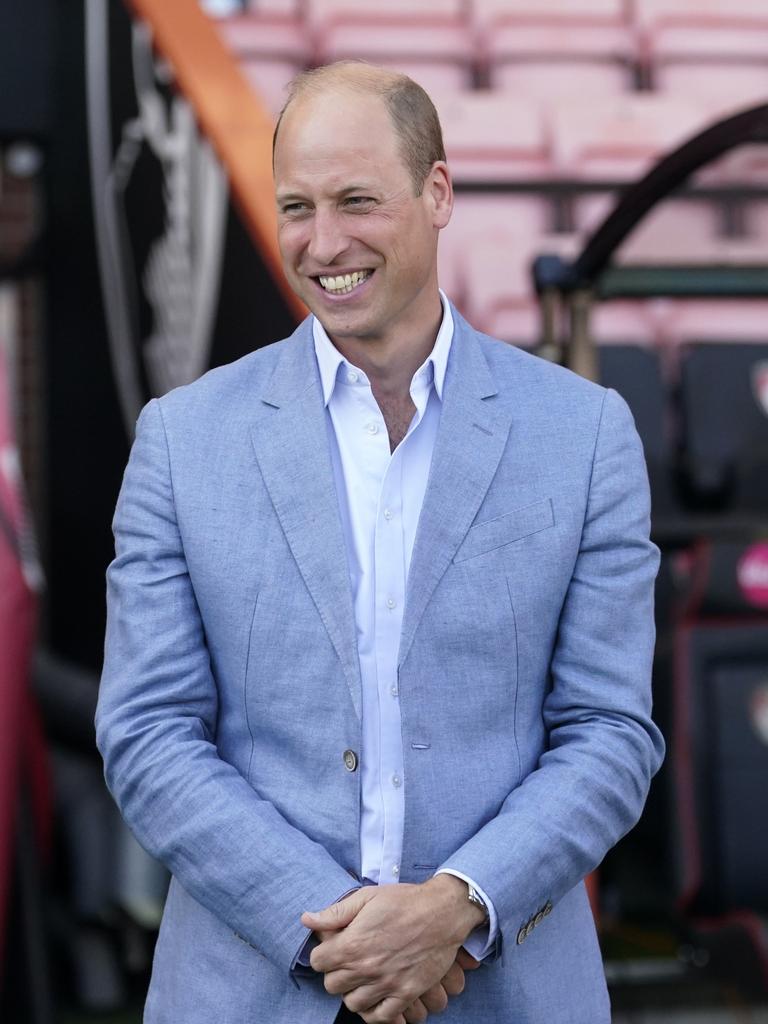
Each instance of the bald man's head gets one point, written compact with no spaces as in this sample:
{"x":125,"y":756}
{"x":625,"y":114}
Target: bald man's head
{"x":413,"y":114}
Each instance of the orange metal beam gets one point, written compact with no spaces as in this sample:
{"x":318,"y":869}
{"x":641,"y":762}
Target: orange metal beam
{"x":230,"y":115}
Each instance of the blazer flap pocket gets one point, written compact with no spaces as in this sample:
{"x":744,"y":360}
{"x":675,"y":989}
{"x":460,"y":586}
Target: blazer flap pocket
{"x":494,"y":533}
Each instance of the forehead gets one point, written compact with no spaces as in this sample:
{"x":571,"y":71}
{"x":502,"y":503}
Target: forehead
{"x":335,"y":136}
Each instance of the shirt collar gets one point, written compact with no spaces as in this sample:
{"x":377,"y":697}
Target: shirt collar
{"x":330,"y":360}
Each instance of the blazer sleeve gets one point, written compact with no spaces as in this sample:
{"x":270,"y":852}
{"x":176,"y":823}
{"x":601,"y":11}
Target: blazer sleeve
{"x":156,"y":726}
{"x":591,"y":781}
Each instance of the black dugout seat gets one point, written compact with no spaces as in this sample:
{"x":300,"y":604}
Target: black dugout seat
{"x":635,"y":372}
{"x":719,"y":747}
{"x":724,"y":410}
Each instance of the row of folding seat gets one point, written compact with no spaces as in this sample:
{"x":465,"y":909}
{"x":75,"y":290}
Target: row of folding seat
{"x":704,"y":427}
{"x":545,"y":48}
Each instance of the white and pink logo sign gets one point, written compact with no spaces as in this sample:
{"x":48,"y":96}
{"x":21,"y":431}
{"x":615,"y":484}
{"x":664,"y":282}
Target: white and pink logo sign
{"x":760,"y":384}
{"x":752,"y":575}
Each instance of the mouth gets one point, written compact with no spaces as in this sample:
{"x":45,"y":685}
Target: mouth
{"x":343,"y":284}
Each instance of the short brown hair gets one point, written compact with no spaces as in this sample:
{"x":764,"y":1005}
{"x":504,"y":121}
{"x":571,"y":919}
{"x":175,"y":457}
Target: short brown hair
{"x":413,"y":113}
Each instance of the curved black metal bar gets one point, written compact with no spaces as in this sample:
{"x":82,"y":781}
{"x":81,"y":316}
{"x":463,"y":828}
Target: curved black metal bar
{"x":671,"y":171}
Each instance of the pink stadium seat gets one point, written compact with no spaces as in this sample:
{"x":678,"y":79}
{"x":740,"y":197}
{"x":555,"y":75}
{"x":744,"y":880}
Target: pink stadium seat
{"x":560,"y":75}
{"x":535,"y":46}
{"x":703,"y":48}
{"x":653,"y":14}
{"x":620,"y":138}
{"x":624,"y":321}
{"x":492,"y":136}
{"x":269,"y":79}
{"x":271,"y":50}
{"x":323,"y":13}
{"x":716,"y":320}
{"x":483,"y":215}
{"x":428,"y":39}
{"x":266,"y":38}
{"x":745,"y":81}
{"x":675,"y":231}
{"x":285,"y":8}
{"x":745,"y":165}
{"x":435,"y":56}
{"x":498,"y":287}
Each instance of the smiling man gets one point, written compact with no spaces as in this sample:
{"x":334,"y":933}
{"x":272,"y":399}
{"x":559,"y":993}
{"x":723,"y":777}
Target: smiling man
{"x":376,"y":684}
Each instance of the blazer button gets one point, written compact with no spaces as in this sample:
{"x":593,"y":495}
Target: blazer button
{"x":350,"y":760}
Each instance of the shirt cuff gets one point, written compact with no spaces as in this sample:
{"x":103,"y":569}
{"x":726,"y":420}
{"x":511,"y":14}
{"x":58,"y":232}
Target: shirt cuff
{"x":302,"y":957}
{"x":481,"y":942}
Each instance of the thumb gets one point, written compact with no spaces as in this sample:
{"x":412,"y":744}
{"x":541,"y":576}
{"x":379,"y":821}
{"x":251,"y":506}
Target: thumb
{"x":338,"y":915}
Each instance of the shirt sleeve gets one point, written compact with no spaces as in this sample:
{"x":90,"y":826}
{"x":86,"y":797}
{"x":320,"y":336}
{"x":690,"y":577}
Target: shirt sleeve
{"x":482,"y":941}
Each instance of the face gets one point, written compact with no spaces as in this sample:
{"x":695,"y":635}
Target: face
{"x":358,"y":245}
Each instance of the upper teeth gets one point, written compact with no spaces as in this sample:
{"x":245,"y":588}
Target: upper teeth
{"x":344,"y":282}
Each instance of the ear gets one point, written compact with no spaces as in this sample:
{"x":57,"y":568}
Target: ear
{"x":438,"y":192}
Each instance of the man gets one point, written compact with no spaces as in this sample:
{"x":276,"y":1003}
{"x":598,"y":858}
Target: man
{"x":381,"y":612}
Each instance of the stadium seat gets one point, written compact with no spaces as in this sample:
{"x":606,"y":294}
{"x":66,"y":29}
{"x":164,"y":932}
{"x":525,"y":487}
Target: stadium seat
{"x":719,"y":742}
{"x":711,"y":320}
{"x":744,"y":165}
{"x":636,"y":373}
{"x":707,"y":48}
{"x":437,"y":57}
{"x":498,"y":284}
{"x":428,"y":39}
{"x":550,"y":49}
{"x":490,"y":136}
{"x":619,"y":138}
{"x":286,"y":8}
{"x":675,"y":231}
{"x":724,"y":413}
{"x":271,"y":49}
{"x":479,"y":215}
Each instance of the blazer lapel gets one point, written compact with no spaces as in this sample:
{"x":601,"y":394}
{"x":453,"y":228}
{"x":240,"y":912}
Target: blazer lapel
{"x":473,"y":431}
{"x":290,"y":439}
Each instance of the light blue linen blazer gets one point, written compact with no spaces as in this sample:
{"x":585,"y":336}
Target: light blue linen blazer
{"x":231,"y":685}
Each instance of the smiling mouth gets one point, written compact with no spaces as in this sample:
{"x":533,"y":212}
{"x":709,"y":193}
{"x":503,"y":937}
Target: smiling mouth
{"x":342,"y":284}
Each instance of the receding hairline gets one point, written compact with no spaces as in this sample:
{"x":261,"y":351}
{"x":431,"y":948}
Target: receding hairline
{"x":353,"y":77}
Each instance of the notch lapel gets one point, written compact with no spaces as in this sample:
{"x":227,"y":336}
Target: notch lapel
{"x":290,"y":439}
{"x":473,"y":431}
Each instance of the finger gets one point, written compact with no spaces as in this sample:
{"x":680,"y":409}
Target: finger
{"x":399,"y":1019}
{"x":465,"y":961}
{"x":387,"y":1011}
{"x":344,"y":982}
{"x":416,"y":1013}
{"x":453,"y":982}
{"x":435,"y":999}
{"x":338,"y":915}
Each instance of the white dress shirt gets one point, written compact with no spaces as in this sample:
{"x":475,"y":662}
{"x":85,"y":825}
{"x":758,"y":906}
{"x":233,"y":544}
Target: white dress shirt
{"x":380,"y":498}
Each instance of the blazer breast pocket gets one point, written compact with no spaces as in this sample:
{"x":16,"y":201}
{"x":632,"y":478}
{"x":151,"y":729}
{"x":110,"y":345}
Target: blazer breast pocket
{"x":496,"y":533}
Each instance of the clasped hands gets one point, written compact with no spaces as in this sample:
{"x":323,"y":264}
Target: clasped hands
{"x":394,"y":952}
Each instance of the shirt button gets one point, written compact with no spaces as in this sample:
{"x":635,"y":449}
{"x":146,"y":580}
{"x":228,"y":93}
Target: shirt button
{"x":395,"y":869}
{"x":391,"y":603}
{"x":394,"y":691}
{"x":396,"y":781}
{"x":353,"y":377}
{"x":387,"y":513}
{"x":350,"y":760}
{"x":372,"y":428}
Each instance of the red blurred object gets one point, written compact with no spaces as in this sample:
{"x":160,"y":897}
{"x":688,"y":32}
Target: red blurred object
{"x":22,"y":760}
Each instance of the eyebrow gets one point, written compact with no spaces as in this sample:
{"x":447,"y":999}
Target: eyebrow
{"x":287,"y":197}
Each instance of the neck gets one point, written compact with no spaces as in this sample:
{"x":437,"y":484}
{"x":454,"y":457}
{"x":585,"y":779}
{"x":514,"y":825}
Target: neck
{"x":390,"y":362}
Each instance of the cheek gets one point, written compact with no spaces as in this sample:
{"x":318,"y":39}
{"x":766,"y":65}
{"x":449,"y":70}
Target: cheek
{"x":290,"y":240}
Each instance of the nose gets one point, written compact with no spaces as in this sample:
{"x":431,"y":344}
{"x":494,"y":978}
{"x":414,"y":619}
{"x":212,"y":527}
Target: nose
{"x":328,"y":239}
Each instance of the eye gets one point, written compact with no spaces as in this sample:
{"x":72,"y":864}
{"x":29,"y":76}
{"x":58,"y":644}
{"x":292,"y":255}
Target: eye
{"x":358,"y":202}
{"x":293,"y":208}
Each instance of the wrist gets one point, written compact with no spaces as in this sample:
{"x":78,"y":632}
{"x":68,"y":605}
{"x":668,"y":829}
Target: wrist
{"x":463,"y":915}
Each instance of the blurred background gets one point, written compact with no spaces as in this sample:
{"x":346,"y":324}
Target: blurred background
{"x":611,"y":168}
